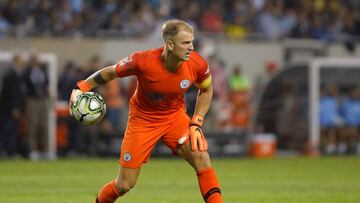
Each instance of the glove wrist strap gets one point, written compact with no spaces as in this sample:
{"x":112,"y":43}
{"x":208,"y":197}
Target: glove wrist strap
{"x":197,"y":120}
{"x":83,"y":86}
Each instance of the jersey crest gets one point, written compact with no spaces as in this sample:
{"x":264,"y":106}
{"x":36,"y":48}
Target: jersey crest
{"x":184,"y":84}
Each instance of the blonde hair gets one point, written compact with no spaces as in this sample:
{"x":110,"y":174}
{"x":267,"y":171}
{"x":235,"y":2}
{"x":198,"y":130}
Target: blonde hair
{"x":171,"y":27}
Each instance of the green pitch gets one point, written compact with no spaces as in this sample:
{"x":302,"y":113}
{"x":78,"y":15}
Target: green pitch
{"x":300,"y":180}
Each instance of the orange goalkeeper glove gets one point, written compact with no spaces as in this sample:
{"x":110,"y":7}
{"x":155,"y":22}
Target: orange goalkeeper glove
{"x":197,"y":138}
{"x":74,"y":95}
{"x":80,"y":88}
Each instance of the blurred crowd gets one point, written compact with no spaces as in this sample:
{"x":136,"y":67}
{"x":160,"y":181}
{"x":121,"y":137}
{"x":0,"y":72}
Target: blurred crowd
{"x":24,"y":106}
{"x":235,"y":19}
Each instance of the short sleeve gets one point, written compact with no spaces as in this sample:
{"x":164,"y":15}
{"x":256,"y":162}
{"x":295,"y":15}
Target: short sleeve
{"x":203,"y":72}
{"x":128,"y":66}
{"x":203,"y":76}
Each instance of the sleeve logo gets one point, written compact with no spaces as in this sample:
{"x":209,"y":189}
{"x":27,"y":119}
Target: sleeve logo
{"x":124,"y":61}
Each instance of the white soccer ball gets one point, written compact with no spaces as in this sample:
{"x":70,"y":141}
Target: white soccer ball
{"x":89,"y":108}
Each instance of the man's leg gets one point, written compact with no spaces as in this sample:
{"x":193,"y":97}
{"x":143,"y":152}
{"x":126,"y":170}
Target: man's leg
{"x":125,"y":180}
{"x":9,"y":131}
{"x":138,"y":142}
{"x":208,"y":183}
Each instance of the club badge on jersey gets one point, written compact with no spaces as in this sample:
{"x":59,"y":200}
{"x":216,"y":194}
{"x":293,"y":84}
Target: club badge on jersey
{"x":184,"y":84}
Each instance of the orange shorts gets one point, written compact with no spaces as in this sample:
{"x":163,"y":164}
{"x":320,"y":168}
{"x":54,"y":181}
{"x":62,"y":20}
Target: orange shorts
{"x":140,"y":139}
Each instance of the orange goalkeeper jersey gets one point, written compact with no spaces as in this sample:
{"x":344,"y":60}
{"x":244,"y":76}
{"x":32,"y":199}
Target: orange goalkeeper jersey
{"x":159,"y":95}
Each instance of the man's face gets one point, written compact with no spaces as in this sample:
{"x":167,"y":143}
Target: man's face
{"x":18,"y":61}
{"x":182,"y":45}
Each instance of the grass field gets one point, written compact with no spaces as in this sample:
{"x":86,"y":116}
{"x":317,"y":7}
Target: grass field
{"x":300,"y":180}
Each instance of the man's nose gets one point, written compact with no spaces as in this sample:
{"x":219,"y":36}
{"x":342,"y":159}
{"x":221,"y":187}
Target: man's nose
{"x":191,"y":47}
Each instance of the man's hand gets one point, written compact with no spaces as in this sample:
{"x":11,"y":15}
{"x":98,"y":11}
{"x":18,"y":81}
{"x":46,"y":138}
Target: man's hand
{"x":195,"y":134}
{"x":74,"y":95}
{"x":197,"y":139}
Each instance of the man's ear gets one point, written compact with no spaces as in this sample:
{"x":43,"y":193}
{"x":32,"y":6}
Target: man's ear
{"x":169,"y":45}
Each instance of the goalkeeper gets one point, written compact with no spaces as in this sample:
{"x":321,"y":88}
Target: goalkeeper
{"x":157,"y":110}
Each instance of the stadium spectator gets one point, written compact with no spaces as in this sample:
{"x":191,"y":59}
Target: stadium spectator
{"x":301,"y":29}
{"x":191,"y":13}
{"x":91,"y":22}
{"x":220,"y":78}
{"x":65,"y":14}
{"x":350,"y":30}
{"x":115,"y":24}
{"x":56,"y":26}
{"x":240,"y":86}
{"x":288,"y":21}
{"x":4,"y":26}
{"x":350,"y":111}
{"x":318,"y":28}
{"x":67,"y":80}
{"x":16,"y":14}
{"x":74,"y":27}
{"x":238,"y":82}
{"x":161,"y":15}
{"x":12,"y":102}
{"x":268,"y":21}
{"x":221,"y":95}
{"x":258,"y":5}
{"x":76,"y":5}
{"x":330,"y":118}
{"x":238,"y":19}
{"x":37,"y":106}
{"x":71,"y":74}
{"x":211,"y":19}
{"x":41,"y":15}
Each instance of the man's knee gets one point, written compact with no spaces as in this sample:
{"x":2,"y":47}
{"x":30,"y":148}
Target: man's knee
{"x":200,"y":160}
{"x":126,"y":179}
{"x":200,"y":156}
{"x":124,"y":185}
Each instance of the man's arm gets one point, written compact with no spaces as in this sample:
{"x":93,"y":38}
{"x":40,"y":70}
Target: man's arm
{"x":100,"y":77}
{"x":203,"y":101}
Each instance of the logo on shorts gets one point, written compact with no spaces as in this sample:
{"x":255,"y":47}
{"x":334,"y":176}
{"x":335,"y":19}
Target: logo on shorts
{"x":184,"y":84}
{"x":127,"y":156}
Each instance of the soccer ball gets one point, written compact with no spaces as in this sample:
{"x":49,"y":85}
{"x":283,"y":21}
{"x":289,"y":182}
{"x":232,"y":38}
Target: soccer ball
{"x":89,"y":108}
